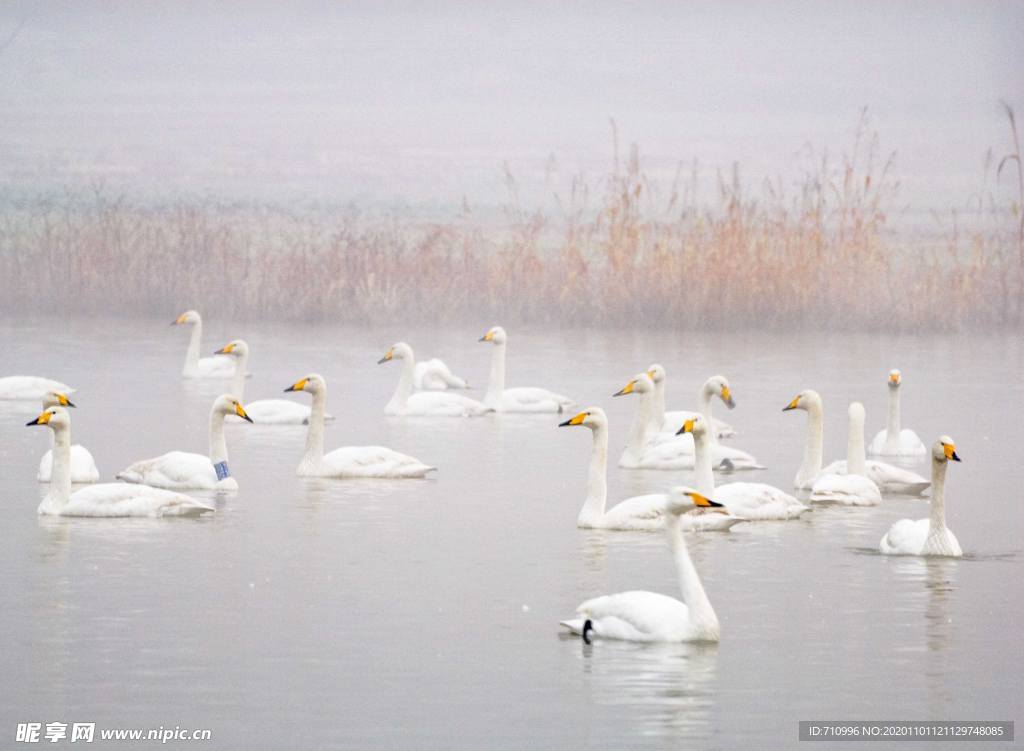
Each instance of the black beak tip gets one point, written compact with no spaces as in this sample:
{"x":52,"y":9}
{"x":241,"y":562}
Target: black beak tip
{"x":72,"y":404}
{"x":32,"y":422}
{"x":681,"y":431}
{"x":246,"y":417}
{"x":956,"y":457}
{"x":482,"y":339}
{"x":382,"y":360}
{"x":290,"y":388}
{"x":565,"y":424}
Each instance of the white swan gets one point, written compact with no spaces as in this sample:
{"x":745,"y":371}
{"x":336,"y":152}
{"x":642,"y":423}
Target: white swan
{"x":30,"y":388}
{"x":434,"y":375}
{"x":892,"y":441}
{"x":888,"y":478}
{"x":643,"y":512}
{"x":182,"y":470}
{"x":854,"y":488}
{"x":110,"y":499}
{"x":928,"y":536}
{"x":648,"y":616}
{"x":83,"y":466}
{"x":753,"y":501}
{"x":350,"y":461}
{"x":523,"y":398}
{"x":665,"y":425}
{"x":262,"y":411}
{"x":207,"y":367}
{"x":425,"y":403}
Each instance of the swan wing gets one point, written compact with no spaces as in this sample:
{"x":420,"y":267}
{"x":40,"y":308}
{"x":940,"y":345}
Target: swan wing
{"x":532,"y":399}
{"x":435,"y":375}
{"x":83,"y":466}
{"x":756,"y":501}
{"x":887,"y":477}
{"x":636,"y":616}
{"x":120,"y":499}
{"x":905,"y":537}
{"x":641,"y":512}
{"x":218,"y":366}
{"x":735,"y":458}
{"x":371,"y":461}
{"x":441,"y":404}
{"x":175,"y":470}
{"x":849,"y":490}
{"x":30,"y":387}
{"x":276,"y":412}
{"x":677,"y":453}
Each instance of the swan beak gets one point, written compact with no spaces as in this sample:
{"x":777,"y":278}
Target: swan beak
{"x":687,"y":427}
{"x":703,"y":501}
{"x":950,"y":450}
{"x":627,"y":389}
{"x":297,"y":386}
{"x":179,"y":320}
{"x":894,"y":379}
{"x":64,"y":401}
{"x":43,"y":419}
{"x":727,"y":397}
{"x":241,"y":412}
{"x":791,"y":405}
{"x":577,"y":420}
{"x":227,"y":349}
{"x":390,"y":355}
{"x":488,"y":337}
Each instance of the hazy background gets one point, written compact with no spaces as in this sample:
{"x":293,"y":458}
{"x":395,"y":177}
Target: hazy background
{"x":419,"y":104}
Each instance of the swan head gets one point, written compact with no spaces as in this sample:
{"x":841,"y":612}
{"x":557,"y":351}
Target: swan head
{"x":805,"y":400}
{"x":399,"y":351}
{"x":226,"y":404}
{"x":696,"y":425}
{"x":719,"y":386}
{"x":235,"y":348}
{"x":944,"y":450}
{"x":189,"y":316}
{"x":314,"y":383}
{"x":895,"y":378}
{"x":56,"y":399}
{"x":591,"y":417}
{"x":856,"y":413}
{"x":495,"y":335}
{"x":682,"y":499}
{"x":656,"y":373}
{"x":641,"y":384}
{"x":53,"y":418}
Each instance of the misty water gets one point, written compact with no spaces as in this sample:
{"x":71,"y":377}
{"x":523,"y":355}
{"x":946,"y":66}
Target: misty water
{"x":331,"y":613}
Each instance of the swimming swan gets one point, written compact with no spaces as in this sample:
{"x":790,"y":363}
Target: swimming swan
{"x":83,"y":466}
{"x":262,"y":411}
{"x":434,"y":375}
{"x":853,"y":488}
{"x":888,"y":478}
{"x":30,"y":388}
{"x":665,"y":425}
{"x":350,"y":461}
{"x":928,"y":536}
{"x":207,"y":367}
{"x":643,"y":512}
{"x":753,"y":501}
{"x":109,"y":499}
{"x":892,"y":441}
{"x":523,"y":398}
{"x":648,"y":616}
{"x":425,"y":403}
{"x":181,"y":470}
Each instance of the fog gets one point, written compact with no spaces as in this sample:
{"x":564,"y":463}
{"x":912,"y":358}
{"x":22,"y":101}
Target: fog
{"x":417,"y":105}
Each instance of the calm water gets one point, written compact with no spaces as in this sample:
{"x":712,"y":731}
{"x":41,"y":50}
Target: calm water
{"x":318,"y":613}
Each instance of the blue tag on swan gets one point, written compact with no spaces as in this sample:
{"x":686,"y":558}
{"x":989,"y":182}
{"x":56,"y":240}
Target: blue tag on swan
{"x":222,"y":470}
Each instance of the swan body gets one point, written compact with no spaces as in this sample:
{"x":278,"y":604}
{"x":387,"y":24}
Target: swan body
{"x":928,"y":536}
{"x":206,"y":367}
{"x":181,"y":470}
{"x":351,"y":461}
{"x":894,"y":441}
{"x":853,"y":488}
{"x":105,"y":499}
{"x":523,"y":398}
{"x":30,"y":388}
{"x":649,"y":616}
{"x":434,"y":375}
{"x":262,"y":411}
{"x":888,"y":478}
{"x":665,"y":425}
{"x":752,"y":501}
{"x":640,"y":513}
{"x":406,"y":403}
{"x":83,"y":466}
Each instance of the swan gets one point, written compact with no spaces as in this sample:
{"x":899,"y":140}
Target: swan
{"x":928,"y":536}
{"x":522,"y":399}
{"x":207,"y":367}
{"x":83,"y":466}
{"x":350,"y":461}
{"x":30,"y":388}
{"x":887,"y":477}
{"x":892,"y":441}
{"x":425,"y":403}
{"x":180,"y":470}
{"x":434,"y":375}
{"x":109,"y":499}
{"x":642,"y":512}
{"x":853,"y":488}
{"x":665,"y":425}
{"x":648,"y":616}
{"x":262,"y":411}
{"x":753,"y":501}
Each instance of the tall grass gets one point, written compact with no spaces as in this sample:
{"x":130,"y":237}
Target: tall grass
{"x":630,"y":253}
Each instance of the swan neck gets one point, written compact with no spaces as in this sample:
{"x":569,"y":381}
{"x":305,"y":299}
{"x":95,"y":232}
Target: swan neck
{"x":238,"y":384}
{"x":811,"y":466}
{"x":314,"y":453}
{"x":856,"y":461}
{"x":937,"y":518}
{"x":405,"y":384}
{"x":893,"y":423}
{"x":704,"y":397}
{"x":60,"y":472}
{"x":703,"y":474}
{"x":639,"y":430}
{"x":701,"y":613}
{"x":218,"y":445}
{"x":597,"y":478}
{"x":192,"y":354}
{"x":657,"y":417}
{"x":496,"y":382}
